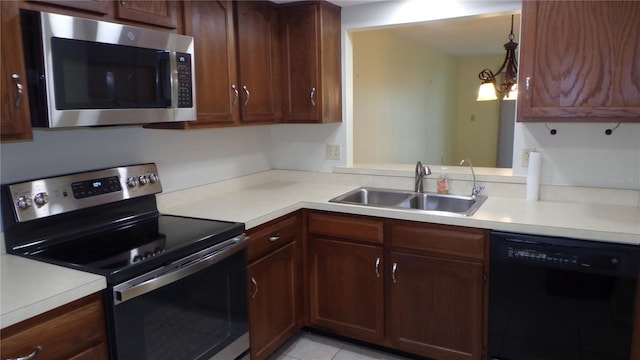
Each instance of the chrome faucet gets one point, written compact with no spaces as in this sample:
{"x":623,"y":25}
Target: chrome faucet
{"x":475,"y":190}
{"x":421,"y":172}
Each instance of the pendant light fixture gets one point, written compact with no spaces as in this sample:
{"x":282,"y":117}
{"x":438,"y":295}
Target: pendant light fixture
{"x":490,"y":89}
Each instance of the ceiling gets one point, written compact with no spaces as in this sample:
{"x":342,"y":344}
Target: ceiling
{"x":470,"y":36}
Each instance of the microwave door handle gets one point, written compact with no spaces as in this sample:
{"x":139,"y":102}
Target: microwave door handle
{"x":180,"y":272}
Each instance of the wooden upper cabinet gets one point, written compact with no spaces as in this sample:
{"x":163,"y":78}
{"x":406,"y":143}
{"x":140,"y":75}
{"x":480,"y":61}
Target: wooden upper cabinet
{"x":579,"y":61}
{"x":102,"y":7}
{"x":15,"y":121}
{"x":258,"y":61}
{"x":162,"y":13}
{"x":211,"y":25}
{"x":311,"y":58}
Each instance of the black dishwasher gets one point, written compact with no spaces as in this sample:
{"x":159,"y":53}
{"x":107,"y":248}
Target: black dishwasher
{"x":555,"y":298}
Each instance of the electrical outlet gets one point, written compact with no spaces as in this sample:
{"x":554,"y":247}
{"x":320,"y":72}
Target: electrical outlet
{"x":333,"y":151}
{"x":525,"y":156}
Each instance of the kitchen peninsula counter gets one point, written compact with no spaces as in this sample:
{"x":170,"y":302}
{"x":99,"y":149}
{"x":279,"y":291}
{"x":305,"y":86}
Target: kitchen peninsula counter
{"x":30,"y":287}
{"x":258,"y":203}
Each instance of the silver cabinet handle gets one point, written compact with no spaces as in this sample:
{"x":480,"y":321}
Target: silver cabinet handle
{"x":246,"y":91}
{"x":313,"y":97}
{"x":527,"y":87}
{"x":237,"y":94}
{"x":394,"y":267}
{"x":30,"y":356}
{"x":275,"y":237}
{"x":16,"y":79}
{"x":255,"y":283}
{"x":378,"y":267}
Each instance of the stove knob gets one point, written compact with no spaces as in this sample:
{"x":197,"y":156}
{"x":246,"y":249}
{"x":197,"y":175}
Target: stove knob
{"x":153,"y":178}
{"x":131,"y":182}
{"x":23,"y":202}
{"x":142,"y":179}
{"x":41,"y":199}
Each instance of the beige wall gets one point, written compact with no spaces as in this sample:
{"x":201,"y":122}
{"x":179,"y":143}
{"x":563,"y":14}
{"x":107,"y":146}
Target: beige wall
{"x":415,"y":103}
{"x":476,"y":121}
{"x":403,"y":100}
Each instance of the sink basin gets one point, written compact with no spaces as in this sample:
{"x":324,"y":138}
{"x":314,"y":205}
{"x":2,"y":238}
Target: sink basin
{"x":464,"y":205}
{"x":373,"y":197}
{"x":410,"y":200}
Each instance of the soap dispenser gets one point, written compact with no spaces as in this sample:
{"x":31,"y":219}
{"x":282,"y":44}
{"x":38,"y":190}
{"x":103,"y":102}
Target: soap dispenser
{"x":443,"y":182}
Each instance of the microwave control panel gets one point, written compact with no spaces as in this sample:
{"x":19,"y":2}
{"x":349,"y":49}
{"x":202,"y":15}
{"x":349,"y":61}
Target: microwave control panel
{"x":185,"y":85}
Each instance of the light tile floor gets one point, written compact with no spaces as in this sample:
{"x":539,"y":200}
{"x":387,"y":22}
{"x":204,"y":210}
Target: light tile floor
{"x":310,"y":346}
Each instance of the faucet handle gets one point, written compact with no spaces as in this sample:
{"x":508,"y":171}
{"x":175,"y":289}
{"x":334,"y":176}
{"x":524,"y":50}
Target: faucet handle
{"x":427,"y":170}
{"x":477,"y":189}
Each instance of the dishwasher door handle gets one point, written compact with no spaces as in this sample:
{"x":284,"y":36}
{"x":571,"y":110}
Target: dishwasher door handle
{"x":177,"y":271}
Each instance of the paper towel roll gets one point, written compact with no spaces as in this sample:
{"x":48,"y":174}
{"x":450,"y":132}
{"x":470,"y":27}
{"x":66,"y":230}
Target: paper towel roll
{"x":533,"y":176}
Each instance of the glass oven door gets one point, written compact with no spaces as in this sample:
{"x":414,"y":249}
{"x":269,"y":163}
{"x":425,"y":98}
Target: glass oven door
{"x":193,"y":311}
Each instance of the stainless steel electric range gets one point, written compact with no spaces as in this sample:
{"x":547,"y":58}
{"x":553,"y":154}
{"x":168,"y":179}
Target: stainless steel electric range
{"x":176,"y":286}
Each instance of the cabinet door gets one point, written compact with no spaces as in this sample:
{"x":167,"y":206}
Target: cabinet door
{"x":579,"y":61}
{"x":258,"y":38}
{"x":15,"y":122}
{"x":346,"y":289}
{"x":73,"y":331}
{"x":311,"y":51}
{"x":275,"y":300}
{"x":211,"y":25}
{"x":436,"y":306}
{"x":162,"y":13}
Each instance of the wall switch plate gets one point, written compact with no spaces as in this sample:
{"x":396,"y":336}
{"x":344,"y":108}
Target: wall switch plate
{"x":525,"y":156}
{"x":333,"y":151}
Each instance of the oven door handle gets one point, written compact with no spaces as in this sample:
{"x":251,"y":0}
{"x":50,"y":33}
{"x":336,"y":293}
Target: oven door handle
{"x":177,"y":271}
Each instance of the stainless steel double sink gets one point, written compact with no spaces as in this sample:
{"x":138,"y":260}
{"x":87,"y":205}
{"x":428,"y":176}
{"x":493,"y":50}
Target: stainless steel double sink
{"x":410,"y":200}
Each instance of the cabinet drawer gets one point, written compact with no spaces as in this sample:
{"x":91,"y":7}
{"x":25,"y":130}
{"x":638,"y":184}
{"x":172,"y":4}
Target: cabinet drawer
{"x":272,"y":235}
{"x":346,"y":227}
{"x":440,"y":239}
{"x":74,"y":330}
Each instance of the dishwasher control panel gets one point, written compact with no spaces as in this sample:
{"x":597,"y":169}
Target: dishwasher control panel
{"x":542,"y":256}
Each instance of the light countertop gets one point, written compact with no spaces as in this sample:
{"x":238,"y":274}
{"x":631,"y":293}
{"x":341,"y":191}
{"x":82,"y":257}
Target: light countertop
{"x":260,"y":203}
{"x":29,"y":287}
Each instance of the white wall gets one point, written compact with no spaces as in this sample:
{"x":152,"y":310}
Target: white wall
{"x":184,"y":158}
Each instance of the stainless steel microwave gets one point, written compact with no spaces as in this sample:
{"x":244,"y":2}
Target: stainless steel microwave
{"x":84,"y":72}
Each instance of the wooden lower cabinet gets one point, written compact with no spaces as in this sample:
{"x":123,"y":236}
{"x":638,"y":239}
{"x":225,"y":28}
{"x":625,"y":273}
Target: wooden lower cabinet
{"x":346,"y":288}
{"x":275,"y":285}
{"x":75,"y":331}
{"x":415,"y":287}
{"x":436,"y":306}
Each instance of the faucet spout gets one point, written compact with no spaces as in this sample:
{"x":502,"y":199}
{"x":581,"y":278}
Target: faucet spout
{"x":421,"y":172}
{"x":476,"y":189}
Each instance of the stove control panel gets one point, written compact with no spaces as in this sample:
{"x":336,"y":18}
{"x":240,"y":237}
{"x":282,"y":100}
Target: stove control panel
{"x":40,"y":198}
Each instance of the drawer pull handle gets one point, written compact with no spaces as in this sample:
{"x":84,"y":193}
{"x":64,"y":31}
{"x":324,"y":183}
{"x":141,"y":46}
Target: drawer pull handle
{"x":31,"y":355}
{"x":393,"y":272}
{"x":275,"y":237}
{"x":255,"y":283}
{"x":313,"y":97}
{"x":378,"y":267}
